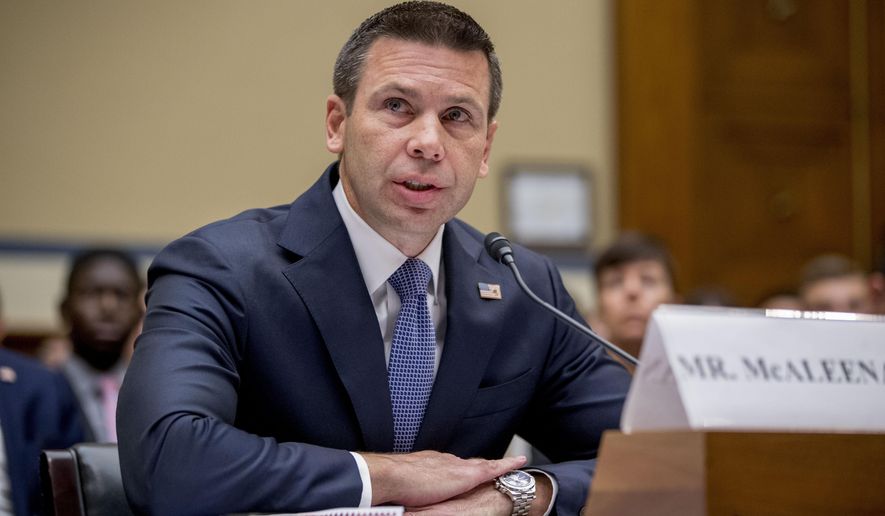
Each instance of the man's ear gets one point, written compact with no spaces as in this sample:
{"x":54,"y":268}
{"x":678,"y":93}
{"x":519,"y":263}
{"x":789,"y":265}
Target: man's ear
{"x":142,"y":307}
{"x":336,"y":115}
{"x":486,"y":152}
{"x":64,"y":308}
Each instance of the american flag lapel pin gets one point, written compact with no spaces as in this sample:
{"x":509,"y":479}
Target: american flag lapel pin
{"x":489,"y":290}
{"x":7,"y":374}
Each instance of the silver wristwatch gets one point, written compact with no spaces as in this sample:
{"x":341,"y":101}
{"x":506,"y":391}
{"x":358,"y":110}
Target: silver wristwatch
{"x":520,"y":487}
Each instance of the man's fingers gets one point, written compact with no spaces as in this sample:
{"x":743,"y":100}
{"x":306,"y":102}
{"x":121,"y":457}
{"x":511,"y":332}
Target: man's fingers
{"x":508,"y":463}
{"x":428,"y":477}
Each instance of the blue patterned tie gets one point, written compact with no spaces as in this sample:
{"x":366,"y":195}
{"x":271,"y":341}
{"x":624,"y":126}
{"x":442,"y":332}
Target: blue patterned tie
{"x":410,"y":369}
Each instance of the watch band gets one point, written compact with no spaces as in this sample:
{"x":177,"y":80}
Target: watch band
{"x":522,"y":503}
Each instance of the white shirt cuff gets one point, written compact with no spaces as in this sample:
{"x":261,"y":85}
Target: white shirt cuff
{"x":555,"y":489}
{"x":366,"y":497}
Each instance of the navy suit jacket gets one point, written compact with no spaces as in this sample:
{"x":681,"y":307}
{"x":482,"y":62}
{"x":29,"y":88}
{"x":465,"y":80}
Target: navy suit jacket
{"x":261,"y":363}
{"x":37,"y":412}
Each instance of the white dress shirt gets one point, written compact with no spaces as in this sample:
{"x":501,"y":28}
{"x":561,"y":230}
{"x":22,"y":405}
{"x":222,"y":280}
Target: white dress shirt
{"x":378,"y":260}
{"x":5,"y":486}
{"x":85,"y":381}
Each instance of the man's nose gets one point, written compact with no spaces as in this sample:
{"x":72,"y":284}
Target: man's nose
{"x":632,"y":286}
{"x":427,"y":140}
{"x":109,"y":300}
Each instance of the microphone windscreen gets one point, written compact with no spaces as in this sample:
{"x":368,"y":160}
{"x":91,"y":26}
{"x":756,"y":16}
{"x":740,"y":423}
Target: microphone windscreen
{"x":497,"y":246}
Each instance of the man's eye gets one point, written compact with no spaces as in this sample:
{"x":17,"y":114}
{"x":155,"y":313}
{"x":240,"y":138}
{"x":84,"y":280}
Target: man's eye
{"x":612,"y":282}
{"x":457,"y":115}
{"x":88,"y":292}
{"x":395,"y":105}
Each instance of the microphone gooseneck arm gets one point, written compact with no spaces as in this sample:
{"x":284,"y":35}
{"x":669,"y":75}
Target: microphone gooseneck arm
{"x":499,"y":248}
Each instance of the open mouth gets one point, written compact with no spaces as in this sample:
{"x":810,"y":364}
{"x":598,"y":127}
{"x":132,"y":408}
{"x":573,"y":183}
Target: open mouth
{"x":417,"y":187}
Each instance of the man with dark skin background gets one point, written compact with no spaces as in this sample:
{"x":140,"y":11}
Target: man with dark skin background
{"x":101,"y":308}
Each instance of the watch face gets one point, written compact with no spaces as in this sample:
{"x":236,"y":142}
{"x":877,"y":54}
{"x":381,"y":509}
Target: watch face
{"x":518,"y":479}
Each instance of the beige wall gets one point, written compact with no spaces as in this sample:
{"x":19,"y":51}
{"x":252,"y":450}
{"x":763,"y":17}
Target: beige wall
{"x":136,"y":122}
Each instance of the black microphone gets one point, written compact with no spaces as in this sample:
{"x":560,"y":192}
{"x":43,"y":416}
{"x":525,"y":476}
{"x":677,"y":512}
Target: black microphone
{"x":500,"y":250}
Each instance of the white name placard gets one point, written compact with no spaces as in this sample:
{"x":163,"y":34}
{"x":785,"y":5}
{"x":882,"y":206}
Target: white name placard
{"x":713,"y":368}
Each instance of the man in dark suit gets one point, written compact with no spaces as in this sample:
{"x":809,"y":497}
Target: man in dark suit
{"x":37,"y":412}
{"x":284,"y":356}
{"x":102,"y":308}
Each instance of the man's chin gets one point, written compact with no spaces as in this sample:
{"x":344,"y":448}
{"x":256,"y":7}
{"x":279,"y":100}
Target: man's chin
{"x":418,"y":222}
{"x":108,"y":343}
{"x":101,"y":359}
{"x":631,"y":336}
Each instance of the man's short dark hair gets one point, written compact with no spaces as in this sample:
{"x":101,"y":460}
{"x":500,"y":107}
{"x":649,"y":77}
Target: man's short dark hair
{"x":635,"y":247}
{"x":828,"y":266}
{"x":84,"y":259}
{"x":433,"y":23}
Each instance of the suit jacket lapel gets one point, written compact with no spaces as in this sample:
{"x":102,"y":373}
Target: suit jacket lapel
{"x":472,"y":329}
{"x":330,"y":283}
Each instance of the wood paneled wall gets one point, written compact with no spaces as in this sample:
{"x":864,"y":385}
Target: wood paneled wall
{"x":738,"y":134}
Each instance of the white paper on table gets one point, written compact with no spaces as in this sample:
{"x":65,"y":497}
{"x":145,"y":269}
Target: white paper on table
{"x":343,"y":511}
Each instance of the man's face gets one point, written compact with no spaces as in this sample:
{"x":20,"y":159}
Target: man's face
{"x":877,"y":287}
{"x":103,"y":306}
{"x":628,"y":293}
{"x":842,"y":294}
{"x":416,"y":140}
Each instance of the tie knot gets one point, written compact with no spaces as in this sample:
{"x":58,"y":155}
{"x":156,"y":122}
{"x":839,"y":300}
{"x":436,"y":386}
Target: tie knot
{"x":411,"y":279}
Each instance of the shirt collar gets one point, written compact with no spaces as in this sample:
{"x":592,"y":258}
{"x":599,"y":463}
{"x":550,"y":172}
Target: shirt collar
{"x":80,"y":368}
{"x":378,"y":258}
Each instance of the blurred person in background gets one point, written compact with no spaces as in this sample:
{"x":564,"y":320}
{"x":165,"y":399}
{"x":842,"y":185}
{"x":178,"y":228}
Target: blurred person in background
{"x":877,"y":283}
{"x":835,"y":283}
{"x":783,"y":299}
{"x":54,"y":351}
{"x":633,"y":276}
{"x":102,"y":309}
{"x":37,"y":412}
{"x":710,"y":295}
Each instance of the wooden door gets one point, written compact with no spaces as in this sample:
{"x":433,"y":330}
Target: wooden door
{"x":739,"y":135}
